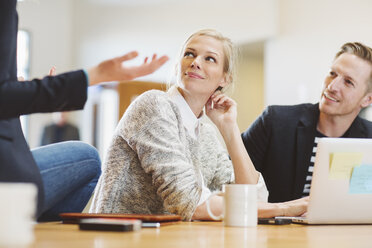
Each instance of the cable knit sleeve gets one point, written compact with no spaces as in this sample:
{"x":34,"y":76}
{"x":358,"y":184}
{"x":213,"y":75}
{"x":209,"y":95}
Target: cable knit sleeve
{"x":223,"y":172}
{"x":153,"y":130}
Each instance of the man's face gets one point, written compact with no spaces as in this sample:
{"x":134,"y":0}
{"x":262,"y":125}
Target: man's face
{"x":345,"y":87}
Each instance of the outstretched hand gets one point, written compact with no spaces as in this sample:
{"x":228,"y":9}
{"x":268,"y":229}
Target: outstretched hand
{"x":114,"y":69}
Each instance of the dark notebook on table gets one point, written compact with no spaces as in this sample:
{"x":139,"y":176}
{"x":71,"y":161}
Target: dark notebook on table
{"x":74,"y":218}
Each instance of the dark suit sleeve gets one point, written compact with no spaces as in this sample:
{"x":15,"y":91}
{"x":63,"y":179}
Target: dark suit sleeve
{"x":256,"y":139}
{"x":64,"y":92}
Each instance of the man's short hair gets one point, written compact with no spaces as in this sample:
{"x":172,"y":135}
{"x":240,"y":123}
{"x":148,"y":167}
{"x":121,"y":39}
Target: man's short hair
{"x":362,"y":51}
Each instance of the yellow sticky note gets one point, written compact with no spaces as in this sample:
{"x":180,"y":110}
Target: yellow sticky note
{"x":342,"y":163}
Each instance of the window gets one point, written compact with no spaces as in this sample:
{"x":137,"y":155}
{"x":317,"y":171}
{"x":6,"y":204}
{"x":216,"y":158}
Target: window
{"x":23,"y":65}
{"x":23,"y":54}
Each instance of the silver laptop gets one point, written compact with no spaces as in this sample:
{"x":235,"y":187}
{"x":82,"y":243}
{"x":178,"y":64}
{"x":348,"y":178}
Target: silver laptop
{"x":339,"y":196}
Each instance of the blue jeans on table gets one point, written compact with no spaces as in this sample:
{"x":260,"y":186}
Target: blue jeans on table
{"x":70,"y":172}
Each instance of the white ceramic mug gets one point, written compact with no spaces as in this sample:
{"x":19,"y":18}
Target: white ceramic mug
{"x":239,"y":207}
{"x":17,"y":211}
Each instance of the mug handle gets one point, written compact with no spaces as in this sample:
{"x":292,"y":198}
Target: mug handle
{"x":220,"y":193}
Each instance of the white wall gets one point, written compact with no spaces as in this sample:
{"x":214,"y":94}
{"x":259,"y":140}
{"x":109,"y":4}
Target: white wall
{"x":50,"y":23}
{"x":311,"y":32}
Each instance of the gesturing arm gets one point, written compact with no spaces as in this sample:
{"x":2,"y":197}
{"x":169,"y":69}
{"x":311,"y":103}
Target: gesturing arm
{"x":67,"y":91}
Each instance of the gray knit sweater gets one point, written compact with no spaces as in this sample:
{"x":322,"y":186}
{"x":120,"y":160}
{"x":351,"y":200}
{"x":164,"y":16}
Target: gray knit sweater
{"x":154,"y":166}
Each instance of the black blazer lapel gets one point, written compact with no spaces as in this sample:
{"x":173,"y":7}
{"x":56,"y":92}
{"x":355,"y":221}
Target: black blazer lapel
{"x":356,"y":130}
{"x":305,"y":134}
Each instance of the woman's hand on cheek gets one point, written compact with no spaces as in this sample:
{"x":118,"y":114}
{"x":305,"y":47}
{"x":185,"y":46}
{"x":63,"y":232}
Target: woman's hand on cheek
{"x":221,"y":109}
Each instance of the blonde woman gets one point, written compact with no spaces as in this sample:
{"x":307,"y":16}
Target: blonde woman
{"x":164,"y":159}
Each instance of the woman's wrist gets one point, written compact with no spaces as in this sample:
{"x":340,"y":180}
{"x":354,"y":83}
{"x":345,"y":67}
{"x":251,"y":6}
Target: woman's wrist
{"x":228,"y":130}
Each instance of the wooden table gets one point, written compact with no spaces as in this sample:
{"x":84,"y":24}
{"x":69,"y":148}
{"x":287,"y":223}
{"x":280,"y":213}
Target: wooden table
{"x":206,"y":234}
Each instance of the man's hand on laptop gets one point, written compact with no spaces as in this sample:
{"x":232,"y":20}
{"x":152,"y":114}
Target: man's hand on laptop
{"x":294,"y":208}
{"x":290,"y":208}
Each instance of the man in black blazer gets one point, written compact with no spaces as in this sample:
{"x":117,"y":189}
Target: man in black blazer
{"x":63,"y":92}
{"x":282,"y":141}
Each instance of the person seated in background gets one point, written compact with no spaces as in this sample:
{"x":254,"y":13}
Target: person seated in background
{"x":65,"y":173}
{"x":282,"y":141}
{"x":60,"y":130}
{"x":163,"y":159}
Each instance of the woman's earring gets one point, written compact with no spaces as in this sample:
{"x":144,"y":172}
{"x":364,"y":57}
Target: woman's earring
{"x":219,"y":88}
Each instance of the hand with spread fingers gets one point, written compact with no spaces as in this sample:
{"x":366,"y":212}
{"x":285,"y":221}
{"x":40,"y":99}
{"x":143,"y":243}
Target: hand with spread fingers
{"x":115,"y":70}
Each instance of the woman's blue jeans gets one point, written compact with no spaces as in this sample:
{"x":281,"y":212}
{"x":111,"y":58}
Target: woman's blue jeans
{"x":70,"y":171}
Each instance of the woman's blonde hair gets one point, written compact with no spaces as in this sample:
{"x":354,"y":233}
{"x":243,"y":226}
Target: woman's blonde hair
{"x":228,"y":50}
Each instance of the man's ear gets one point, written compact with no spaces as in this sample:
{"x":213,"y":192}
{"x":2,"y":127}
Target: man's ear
{"x":367,"y":100}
